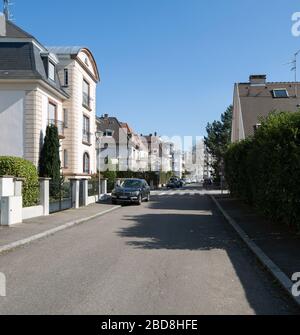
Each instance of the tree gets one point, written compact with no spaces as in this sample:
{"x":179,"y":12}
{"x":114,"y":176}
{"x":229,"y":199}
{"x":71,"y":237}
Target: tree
{"x":218,"y":139}
{"x":49,"y":163}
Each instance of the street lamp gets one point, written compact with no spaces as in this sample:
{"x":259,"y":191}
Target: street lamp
{"x":99,"y":135}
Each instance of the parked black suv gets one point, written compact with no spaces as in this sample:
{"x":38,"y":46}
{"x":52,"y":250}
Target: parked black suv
{"x":131,"y":191}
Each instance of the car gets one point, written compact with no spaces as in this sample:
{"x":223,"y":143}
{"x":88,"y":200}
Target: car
{"x":174,"y":183}
{"x":131,"y":191}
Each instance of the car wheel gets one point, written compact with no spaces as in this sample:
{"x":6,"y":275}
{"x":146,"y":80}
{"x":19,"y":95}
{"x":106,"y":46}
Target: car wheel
{"x":114,"y":202}
{"x":140,"y":200}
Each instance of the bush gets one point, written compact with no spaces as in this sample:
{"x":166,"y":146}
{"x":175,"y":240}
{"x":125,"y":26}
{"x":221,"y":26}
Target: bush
{"x":265,"y":169}
{"x":21,"y":168}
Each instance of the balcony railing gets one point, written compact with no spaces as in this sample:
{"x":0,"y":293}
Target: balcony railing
{"x":59,"y":125}
{"x":86,"y":137}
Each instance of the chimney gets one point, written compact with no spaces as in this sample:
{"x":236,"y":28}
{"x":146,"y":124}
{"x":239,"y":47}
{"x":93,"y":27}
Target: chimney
{"x":258,"y":80}
{"x":106,"y":116}
{"x":2,"y":25}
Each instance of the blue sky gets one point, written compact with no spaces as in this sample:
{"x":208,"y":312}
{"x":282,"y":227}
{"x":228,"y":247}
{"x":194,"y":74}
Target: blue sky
{"x":169,"y":65}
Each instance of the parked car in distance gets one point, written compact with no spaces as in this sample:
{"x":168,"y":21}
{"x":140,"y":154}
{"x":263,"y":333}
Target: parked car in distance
{"x":131,"y":191}
{"x":186,"y":181}
{"x":174,"y":183}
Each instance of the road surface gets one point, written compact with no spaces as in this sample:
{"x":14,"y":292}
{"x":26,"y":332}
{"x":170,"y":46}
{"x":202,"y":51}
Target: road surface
{"x":174,"y":255}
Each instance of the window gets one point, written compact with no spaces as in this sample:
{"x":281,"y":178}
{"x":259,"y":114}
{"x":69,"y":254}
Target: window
{"x":108,"y":133}
{"x":86,"y":130}
{"x":51,"y":71}
{"x":52,"y":113}
{"x":86,"y":163}
{"x":280,"y":93}
{"x":66,"y":77}
{"x":66,"y":159}
{"x":86,"y":94}
{"x":66,"y":118}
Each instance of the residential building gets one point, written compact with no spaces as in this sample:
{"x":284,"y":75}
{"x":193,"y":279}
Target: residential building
{"x":154,"y":152}
{"x":78,"y":74}
{"x":208,"y":163}
{"x":40,"y":86}
{"x":195,"y":161}
{"x":121,"y":147}
{"x":256,"y":99}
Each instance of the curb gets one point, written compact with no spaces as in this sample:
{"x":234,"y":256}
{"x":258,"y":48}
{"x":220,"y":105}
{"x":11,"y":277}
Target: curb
{"x":50,"y":232}
{"x":275,"y":271}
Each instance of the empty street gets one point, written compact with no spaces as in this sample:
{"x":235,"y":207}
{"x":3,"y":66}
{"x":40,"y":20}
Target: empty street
{"x":173,"y":255}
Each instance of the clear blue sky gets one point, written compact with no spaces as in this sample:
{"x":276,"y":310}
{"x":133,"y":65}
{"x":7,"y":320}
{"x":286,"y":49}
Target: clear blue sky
{"x":169,"y":65}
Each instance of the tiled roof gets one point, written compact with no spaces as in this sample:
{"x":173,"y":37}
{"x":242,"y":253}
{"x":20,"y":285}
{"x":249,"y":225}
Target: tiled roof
{"x":258,"y":101}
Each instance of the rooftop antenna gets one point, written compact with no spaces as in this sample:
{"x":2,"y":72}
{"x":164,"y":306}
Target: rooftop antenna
{"x":294,"y":67}
{"x":6,"y":9}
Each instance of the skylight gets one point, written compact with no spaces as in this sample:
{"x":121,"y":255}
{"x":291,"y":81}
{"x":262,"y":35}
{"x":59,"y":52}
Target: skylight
{"x":280,"y":93}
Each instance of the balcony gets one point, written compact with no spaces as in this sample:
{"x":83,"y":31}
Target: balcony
{"x":86,"y":137}
{"x":60,"y":127}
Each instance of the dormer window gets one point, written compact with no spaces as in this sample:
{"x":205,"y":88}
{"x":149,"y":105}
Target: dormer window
{"x":108,"y":133}
{"x":280,"y":93}
{"x":51,"y":71}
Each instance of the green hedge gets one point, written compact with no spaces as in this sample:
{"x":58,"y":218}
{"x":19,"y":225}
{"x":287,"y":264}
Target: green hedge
{"x":18,"y":167}
{"x":265,"y":170}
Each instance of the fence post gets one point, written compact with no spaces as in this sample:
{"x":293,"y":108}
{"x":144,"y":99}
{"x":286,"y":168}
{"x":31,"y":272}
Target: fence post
{"x":75,"y":185}
{"x":103,"y":186}
{"x":44,"y":195}
{"x":85,"y":192}
{"x":11,"y":201}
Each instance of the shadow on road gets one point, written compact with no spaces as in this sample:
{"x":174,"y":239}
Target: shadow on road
{"x":195,"y":224}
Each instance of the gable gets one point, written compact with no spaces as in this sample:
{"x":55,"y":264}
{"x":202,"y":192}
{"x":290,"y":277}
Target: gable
{"x":88,"y":62}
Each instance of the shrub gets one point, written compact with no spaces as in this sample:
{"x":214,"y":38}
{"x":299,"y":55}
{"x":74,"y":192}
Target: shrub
{"x":265,"y":169}
{"x":21,"y":168}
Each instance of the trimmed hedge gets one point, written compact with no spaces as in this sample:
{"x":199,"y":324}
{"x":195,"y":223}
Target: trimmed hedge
{"x":21,"y":168}
{"x":265,"y":170}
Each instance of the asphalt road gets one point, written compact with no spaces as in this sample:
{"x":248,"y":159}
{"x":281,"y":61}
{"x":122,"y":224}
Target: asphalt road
{"x":174,"y":255}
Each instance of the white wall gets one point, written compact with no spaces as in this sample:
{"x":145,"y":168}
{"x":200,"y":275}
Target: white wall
{"x":11,"y":123}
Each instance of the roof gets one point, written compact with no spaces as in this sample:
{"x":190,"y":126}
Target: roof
{"x":67,"y":50}
{"x":126,"y":126}
{"x":257,"y":101}
{"x":23,"y":60}
{"x":73,"y":51}
{"x":13,"y":31}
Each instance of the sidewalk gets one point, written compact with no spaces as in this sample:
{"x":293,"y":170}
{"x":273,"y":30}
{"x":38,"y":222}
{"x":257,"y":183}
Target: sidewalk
{"x":38,"y":228}
{"x":279,"y":243}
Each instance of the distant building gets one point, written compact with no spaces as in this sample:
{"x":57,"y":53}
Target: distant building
{"x":195,"y":161}
{"x":121,"y":147}
{"x":256,"y":99}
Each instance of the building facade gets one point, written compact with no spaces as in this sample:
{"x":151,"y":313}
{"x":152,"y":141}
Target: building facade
{"x":40,"y":86}
{"x":256,"y":99}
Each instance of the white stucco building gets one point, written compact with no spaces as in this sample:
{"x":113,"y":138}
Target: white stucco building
{"x":40,"y":86}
